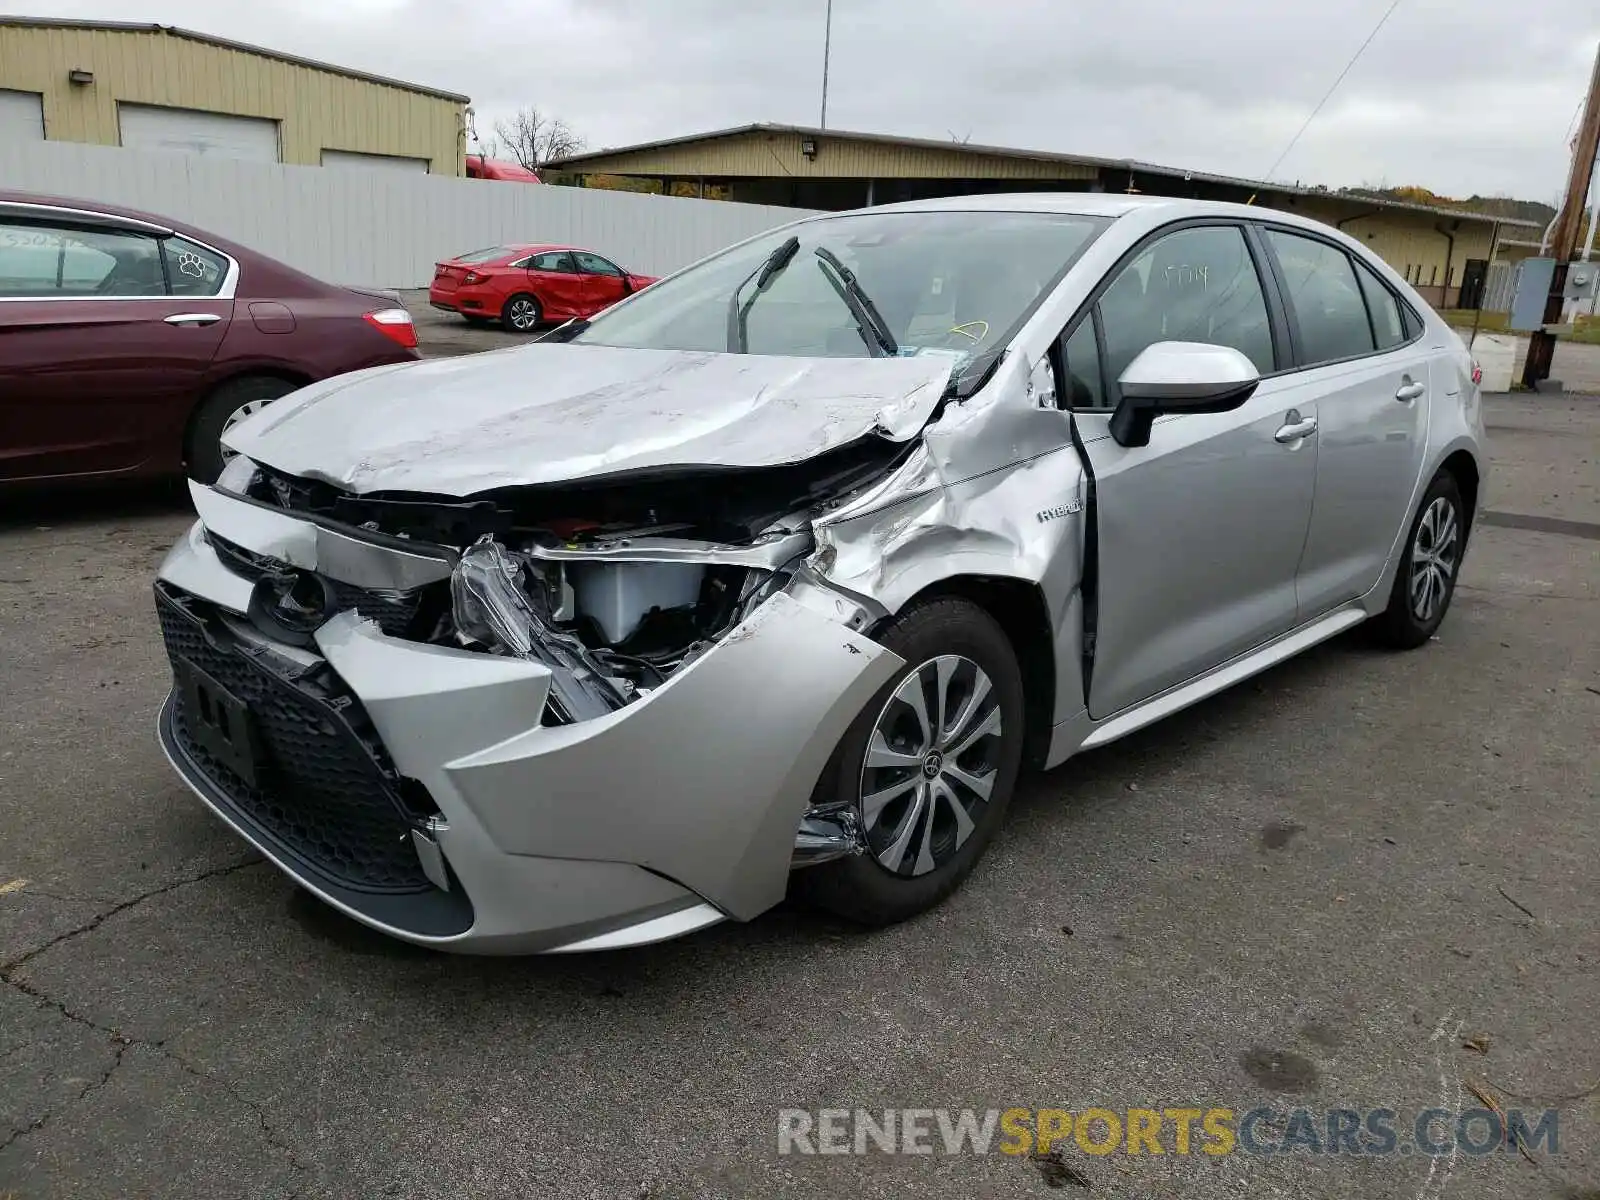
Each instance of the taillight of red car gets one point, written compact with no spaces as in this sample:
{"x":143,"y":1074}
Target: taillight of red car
{"x":473,"y":277}
{"x":395,"y":324}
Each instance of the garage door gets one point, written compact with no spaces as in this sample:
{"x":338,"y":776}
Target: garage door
{"x":21,"y":116}
{"x":145,"y":127}
{"x":374,"y":162}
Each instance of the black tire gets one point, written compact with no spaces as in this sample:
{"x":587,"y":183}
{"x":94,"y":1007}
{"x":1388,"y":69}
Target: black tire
{"x":204,"y":451}
{"x":860,"y":888}
{"x":521,"y":313}
{"x":1401,"y":626}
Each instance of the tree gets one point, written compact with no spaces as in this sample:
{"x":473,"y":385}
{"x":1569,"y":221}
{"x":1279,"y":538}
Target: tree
{"x":534,"y":138}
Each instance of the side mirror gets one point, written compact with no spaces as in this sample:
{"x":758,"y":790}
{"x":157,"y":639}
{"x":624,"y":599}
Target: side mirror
{"x":1179,"y":377}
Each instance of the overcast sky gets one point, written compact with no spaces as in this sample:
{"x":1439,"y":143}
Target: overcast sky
{"x":1460,"y":96}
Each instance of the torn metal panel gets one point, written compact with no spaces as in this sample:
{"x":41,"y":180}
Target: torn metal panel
{"x":994,"y":491}
{"x":826,"y":834}
{"x":986,"y":494}
{"x":548,"y":413}
{"x":768,"y":552}
{"x":627,"y":785}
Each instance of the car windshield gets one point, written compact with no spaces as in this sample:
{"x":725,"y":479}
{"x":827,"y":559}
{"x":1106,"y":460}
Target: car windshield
{"x":862,"y":285}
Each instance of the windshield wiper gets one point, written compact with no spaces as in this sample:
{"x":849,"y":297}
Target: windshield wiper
{"x":739,"y":315}
{"x":869,"y":321}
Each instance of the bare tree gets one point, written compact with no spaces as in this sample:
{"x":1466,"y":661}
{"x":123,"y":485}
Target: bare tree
{"x":534,"y":138}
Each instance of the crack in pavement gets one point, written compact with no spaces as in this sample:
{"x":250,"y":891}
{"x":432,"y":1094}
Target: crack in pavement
{"x":94,"y":922}
{"x":123,"y":1042}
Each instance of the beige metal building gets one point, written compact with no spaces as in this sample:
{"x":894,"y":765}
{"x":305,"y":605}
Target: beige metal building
{"x":158,"y":87}
{"x":1443,"y":252}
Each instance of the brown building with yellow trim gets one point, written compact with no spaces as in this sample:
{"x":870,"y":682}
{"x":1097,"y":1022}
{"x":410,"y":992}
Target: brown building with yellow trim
{"x":158,"y":87}
{"x":1439,"y":250}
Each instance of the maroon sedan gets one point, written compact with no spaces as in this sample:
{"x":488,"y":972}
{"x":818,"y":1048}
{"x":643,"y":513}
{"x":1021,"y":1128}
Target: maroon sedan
{"x":128,"y":343}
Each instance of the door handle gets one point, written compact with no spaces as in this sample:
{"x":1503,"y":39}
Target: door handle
{"x":193,"y":319}
{"x":1294,"y":430}
{"x":1409,"y":391}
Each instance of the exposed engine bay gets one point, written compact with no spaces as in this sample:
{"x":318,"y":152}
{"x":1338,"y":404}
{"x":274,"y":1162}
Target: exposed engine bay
{"x":613,"y":584}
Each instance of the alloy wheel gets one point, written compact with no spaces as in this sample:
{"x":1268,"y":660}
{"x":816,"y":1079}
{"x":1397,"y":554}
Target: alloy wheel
{"x":523,"y":314}
{"x":1434,"y":555}
{"x":931,"y":765}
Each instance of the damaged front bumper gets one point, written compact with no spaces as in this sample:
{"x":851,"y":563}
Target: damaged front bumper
{"x":416,"y":787}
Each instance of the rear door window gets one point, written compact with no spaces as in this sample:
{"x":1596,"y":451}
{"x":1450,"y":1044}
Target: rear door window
{"x":192,"y":269}
{"x":63,"y":262}
{"x":1329,"y":310}
{"x":1387,"y":324}
{"x":553,"y":260}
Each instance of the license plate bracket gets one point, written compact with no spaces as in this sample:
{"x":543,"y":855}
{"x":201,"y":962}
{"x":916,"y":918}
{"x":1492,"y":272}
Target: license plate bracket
{"x":220,"y":722}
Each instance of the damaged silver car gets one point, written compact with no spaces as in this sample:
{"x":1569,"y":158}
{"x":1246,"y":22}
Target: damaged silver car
{"x":775,"y":574}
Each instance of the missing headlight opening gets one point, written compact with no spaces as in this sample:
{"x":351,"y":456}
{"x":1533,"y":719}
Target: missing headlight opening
{"x":613,"y":585}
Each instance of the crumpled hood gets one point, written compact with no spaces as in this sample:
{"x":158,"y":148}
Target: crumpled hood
{"x":550,"y":412}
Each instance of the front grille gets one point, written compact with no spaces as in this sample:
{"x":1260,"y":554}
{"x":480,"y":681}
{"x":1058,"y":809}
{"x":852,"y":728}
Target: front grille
{"x":394,"y":611}
{"x":325,"y":790}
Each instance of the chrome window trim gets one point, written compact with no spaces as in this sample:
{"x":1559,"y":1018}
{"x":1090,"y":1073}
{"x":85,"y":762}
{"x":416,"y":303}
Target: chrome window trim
{"x":84,"y":216}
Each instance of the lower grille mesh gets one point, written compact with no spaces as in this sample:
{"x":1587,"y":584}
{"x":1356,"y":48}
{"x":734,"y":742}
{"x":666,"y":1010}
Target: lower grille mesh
{"x":324,"y":787}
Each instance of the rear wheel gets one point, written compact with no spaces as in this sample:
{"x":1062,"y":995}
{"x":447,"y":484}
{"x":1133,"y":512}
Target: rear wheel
{"x":521,"y":313}
{"x":928,"y":767}
{"x":225,"y":407}
{"x":1426,"y":579}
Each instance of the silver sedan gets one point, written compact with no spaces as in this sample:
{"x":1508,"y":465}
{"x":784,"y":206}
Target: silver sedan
{"x":772,"y":577}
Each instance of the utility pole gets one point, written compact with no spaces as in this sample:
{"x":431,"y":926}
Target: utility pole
{"x":827,"y":47}
{"x":1564,"y":239}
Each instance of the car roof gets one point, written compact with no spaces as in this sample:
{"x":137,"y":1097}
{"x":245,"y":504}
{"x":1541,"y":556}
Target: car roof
{"x":531,"y":248}
{"x":1158,"y":209}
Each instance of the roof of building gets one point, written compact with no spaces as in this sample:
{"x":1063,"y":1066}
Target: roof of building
{"x":577,"y":161}
{"x":228,"y":44}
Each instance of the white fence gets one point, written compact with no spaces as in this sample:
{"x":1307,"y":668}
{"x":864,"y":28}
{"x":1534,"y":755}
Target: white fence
{"x":1499,"y":287}
{"x":380,"y":228}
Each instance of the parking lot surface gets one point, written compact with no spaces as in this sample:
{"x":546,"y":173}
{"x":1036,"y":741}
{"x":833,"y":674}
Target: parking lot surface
{"x":1362,"y":880}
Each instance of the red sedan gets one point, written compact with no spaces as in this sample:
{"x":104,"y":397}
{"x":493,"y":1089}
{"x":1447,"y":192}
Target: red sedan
{"x":128,"y":342}
{"x":525,"y":286}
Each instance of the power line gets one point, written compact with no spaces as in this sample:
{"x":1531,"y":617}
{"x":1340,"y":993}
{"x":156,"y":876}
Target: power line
{"x":1353,"y":60}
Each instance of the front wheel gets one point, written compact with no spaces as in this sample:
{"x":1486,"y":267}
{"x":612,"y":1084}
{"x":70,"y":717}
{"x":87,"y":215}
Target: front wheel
{"x":1426,"y":579}
{"x":219,"y":412}
{"x":928,"y":767}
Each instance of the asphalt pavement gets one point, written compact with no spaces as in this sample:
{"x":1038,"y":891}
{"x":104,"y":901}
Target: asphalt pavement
{"x":1362,"y":880}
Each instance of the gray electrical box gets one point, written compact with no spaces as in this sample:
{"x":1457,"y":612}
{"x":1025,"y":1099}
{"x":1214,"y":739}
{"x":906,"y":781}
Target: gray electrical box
{"x":1533,"y":290}
{"x":1582,"y":278}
